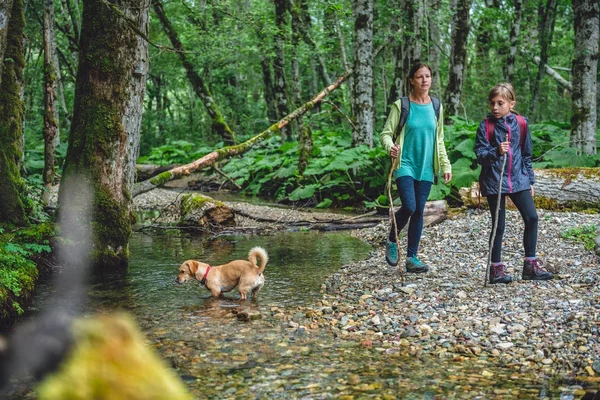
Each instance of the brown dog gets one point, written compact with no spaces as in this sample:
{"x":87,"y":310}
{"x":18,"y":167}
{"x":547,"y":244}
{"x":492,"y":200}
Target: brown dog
{"x":246,"y":275}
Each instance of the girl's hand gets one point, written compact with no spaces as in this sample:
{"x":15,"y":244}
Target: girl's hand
{"x":394,"y":151}
{"x":503,"y":148}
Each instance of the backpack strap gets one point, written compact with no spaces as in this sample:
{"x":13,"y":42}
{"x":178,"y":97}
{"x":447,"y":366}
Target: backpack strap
{"x":489,"y":129}
{"x":436,"y":107}
{"x":523,"y":128}
{"x":404,"y":104}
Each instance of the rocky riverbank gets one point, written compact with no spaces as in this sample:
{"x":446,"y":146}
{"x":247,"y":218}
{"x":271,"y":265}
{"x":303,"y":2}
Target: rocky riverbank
{"x":547,"y":327}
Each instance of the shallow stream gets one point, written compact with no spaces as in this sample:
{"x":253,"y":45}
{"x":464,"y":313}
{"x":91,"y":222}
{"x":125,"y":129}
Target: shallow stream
{"x":220,"y":356}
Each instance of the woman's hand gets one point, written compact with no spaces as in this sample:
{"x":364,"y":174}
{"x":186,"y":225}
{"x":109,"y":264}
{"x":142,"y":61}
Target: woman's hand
{"x":394,"y":151}
{"x":503,"y":148}
{"x":532,"y":191}
{"x":448,"y":177}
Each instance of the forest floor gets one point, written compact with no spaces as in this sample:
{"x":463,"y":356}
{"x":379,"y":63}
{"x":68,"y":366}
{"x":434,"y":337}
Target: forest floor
{"x":550,"y":327}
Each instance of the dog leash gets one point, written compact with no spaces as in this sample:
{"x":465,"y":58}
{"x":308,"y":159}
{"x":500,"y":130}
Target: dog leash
{"x":392,"y":214}
{"x":495,"y":227}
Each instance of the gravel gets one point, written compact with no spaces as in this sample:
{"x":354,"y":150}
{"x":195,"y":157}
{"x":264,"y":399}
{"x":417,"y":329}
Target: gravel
{"x":551,"y":327}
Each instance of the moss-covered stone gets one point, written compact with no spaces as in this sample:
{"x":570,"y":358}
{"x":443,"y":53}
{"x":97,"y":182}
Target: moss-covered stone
{"x":111,"y":360}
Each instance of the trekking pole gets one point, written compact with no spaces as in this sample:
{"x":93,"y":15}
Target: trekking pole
{"x":393,"y":215}
{"x":495,"y":227}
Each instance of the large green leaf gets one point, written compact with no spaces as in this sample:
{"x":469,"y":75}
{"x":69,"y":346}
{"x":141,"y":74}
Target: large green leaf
{"x":302,"y":193}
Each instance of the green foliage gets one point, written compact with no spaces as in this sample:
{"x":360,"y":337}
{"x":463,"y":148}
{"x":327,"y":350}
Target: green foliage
{"x":585,"y":234}
{"x":337,"y":175}
{"x":176,"y":152}
{"x":18,"y":271}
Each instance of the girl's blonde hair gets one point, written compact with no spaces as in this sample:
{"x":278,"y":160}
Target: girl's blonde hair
{"x":506,"y":91}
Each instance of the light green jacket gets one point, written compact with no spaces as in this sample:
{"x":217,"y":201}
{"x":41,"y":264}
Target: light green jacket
{"x":441,"y":164}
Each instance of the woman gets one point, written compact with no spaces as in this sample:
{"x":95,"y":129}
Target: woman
{"x":419,"y":147}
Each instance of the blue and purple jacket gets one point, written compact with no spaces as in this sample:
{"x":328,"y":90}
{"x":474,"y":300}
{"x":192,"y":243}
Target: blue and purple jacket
{"x":518,"y":172}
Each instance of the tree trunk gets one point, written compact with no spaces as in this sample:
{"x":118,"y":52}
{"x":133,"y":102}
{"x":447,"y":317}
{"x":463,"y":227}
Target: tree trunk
{"x":362,"y":132}
{"x":219,"y":126}
{"x":555,"y":75}
{"x":280,"y":83}
{"x":514,"y":38}
{"x":231,"y":151}
{"x":50,"y":131}
{"x":585,"y":70}
{"x":547,"y":20}
{"x":104,"y":136}
{"x":434,"y":44}
{"x":5,"y":12}
{"x":408,"y":50}
{"x":555,"y":189}
{"x":458,"y":58}
{"x":12,"y":186}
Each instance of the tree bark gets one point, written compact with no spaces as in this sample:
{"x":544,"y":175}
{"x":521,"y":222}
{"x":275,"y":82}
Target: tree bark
{"x":5,"y":12}
{"x":547,"y":17}
{"x":280,"y":82}
{"x":514,"y":38}
{"x":362,"y":132}
{"x":585,"y":70}
{"x":12,"y":187}
{"x":219,"y":126}
{"x":51,"y":126}
{"x":555,"y":188}
{"x":458,"y":58}
{"x":231,"y":151}
{"x":434,"y":43}
{"x":104,"y":136}
{"x":408,"y":50}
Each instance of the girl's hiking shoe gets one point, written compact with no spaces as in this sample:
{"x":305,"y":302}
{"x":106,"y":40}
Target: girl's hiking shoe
{"x":391,"y":253}
{"x":533,"y":271}
{"x":414,"y":265}
{"x":498,"y":274}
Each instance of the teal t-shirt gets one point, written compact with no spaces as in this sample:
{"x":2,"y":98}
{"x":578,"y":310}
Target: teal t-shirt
{"x":419,"y":142}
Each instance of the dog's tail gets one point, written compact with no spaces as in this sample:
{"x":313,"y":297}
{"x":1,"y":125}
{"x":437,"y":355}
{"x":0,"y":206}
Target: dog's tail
{"x":258,"y":253}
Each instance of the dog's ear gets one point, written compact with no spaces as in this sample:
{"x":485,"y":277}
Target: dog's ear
{"x":193,"y":266}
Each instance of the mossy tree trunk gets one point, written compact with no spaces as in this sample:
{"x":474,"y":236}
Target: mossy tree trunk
{"x":104,"y":137}
{"x":5,"y":10}
{"x":12,"y":186}
{"x":51,"y":132}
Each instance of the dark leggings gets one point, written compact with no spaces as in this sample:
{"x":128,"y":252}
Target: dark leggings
{"x":413,"y":195}
{"x":524,"y":203}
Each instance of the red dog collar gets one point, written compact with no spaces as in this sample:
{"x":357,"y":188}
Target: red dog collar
{"x":203,"y":281}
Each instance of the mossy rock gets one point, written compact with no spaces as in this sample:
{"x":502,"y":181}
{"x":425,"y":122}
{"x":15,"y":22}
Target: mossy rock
{"x":205,"y":212}
{"x":110,"y":360}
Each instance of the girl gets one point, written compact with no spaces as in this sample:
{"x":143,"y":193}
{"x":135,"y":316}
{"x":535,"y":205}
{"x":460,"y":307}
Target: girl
{"x":419,"y":144}
{"x":504,"y":134}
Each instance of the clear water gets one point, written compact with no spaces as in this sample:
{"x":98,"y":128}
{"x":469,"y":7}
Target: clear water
{"x":220,"y":356}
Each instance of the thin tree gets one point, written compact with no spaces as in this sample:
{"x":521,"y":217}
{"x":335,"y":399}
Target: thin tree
{"x":458,"y":58}
{"x":104,"y":137}
{"x":218,"y":124}
{"x":12,"y":187}
{"x":547,"y":20}
{"x":280,"y":81}
{"x":434,"y":41}
{"x":514,"y":39}
{"x":362,"y":132}
{"x":585,"y":69}
{"x":409,"y":49}
{"x":50,"y":130}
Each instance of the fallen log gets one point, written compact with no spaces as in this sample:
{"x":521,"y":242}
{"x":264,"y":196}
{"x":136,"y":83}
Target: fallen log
{"x":147,"y":171}
{"x":558,"y":188}
{"x":230,"y":151}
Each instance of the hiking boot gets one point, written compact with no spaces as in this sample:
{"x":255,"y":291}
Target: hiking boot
{"x":498,"y":274}
{"x":414,"y":265}
{"x":533,"y":271}
{"x":391,"y":253}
